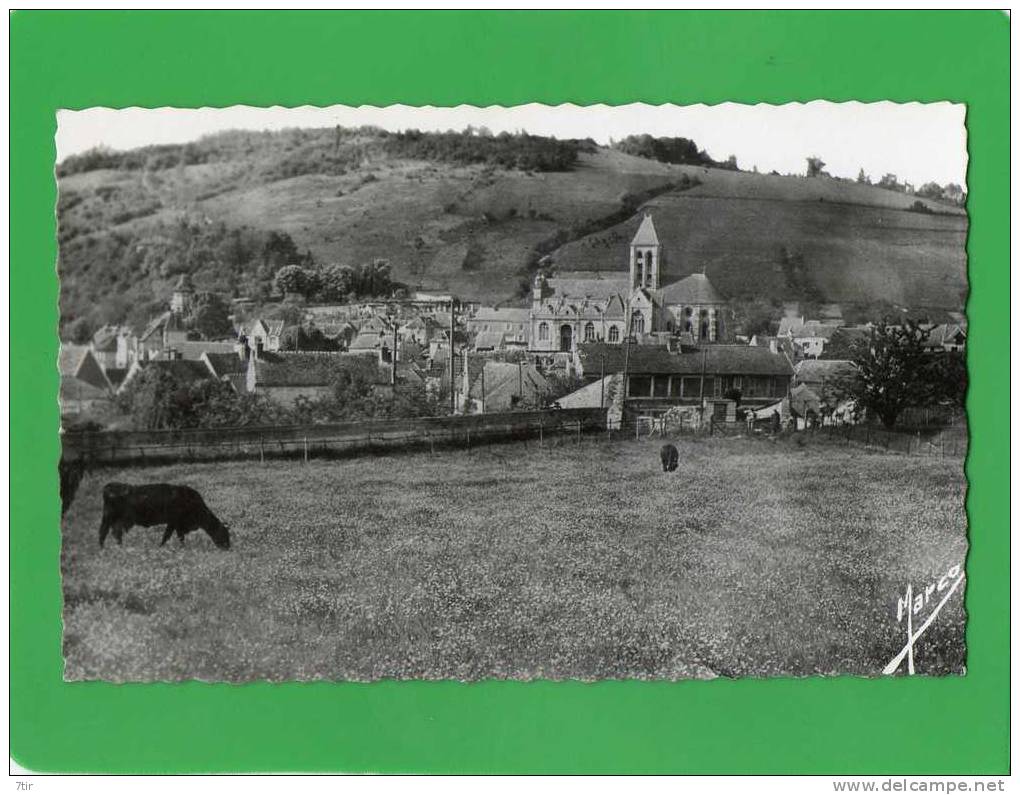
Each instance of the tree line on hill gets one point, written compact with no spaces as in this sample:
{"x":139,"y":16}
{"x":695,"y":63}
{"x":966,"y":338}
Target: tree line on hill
{"x":290,"y":153}
{"x":680,"y":151}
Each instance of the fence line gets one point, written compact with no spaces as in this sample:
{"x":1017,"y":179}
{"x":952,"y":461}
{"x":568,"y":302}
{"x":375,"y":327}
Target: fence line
{"x":546,"y":429}
{"x":305,"y":442}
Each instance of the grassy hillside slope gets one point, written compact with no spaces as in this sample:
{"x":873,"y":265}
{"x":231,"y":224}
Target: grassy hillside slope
{"x":473,"y":228}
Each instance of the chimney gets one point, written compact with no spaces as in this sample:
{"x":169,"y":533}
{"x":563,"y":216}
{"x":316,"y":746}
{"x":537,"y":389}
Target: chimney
{"x":774,"y":345}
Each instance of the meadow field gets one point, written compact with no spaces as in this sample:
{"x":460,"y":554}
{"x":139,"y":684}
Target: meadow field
{"x":756,"y":558}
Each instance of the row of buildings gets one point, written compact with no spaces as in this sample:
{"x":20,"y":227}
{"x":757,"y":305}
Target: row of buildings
{"x":653,"y":345}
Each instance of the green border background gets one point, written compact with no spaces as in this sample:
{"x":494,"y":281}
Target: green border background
{"x":81,"y":59}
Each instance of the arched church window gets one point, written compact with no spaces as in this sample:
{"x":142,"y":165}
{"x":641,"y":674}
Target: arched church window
{"x":589,"y":332}
{"x":637,"y":323}
{"x":543,"y":331}
{"x":614,"y":334}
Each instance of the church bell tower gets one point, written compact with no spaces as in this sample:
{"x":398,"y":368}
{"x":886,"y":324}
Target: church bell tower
{"x":645,"y":256}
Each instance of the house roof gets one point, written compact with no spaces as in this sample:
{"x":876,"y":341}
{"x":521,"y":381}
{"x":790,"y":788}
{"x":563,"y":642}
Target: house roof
{"x":646,"y":235}
{"x":105,"y":339}
{"x":72,"y":388}
{"x":506,"y":378}
{"x":489,"y":339}
{"x":501,"y":315}
{"x":712,"y":359}
{"x":293,"y":368}
{"x":803,"y":400}
{"x":946,"y":334}
{"x":156,"y":324}
{"x":693,"y":289}
{"x":814,"y":328}
{"x":272,"y":328}
{"x":184,"y":370}
{"x":70,"y":358}
{"x":116,"y":375}
{"x":221,"y":364}
{"x":193,"y":349}
{"x":368,"y":341}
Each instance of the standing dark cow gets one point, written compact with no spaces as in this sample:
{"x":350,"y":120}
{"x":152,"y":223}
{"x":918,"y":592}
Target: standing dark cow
{"x":670,"y":458}
{"x":71,"y":473}
{"x":180,"y":508}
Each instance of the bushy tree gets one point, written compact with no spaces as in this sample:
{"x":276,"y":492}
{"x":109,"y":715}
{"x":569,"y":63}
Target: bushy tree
{"x":894,"y":371}
{"x":337,"y":282}
{"x":211,"y":317}
{"x":814,"y":166}
{"x":297,"y":279}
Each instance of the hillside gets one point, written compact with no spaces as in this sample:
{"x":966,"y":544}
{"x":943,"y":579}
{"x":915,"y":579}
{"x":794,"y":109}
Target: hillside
{"x":221,"y":208}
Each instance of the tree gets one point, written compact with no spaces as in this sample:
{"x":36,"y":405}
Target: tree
{"x":80,"y":330}
{"x":211,"y":317}
{"x":814,"y":166}
{"x":930,"y":190}
{"x":890,"y":182}
{"x":893,"y":371}
{"x":863,"y":178}
{"x":337,"y":282}
{"x":296,"y":279}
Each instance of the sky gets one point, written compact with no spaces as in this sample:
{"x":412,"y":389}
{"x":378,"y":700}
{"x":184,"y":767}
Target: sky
{"x":919,"y":142}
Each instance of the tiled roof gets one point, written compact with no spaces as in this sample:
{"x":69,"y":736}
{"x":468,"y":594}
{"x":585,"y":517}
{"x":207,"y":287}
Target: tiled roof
{"x":116,"y":375}
{"x":193,"y":349}
{"x":501,"y":315}
{"x":369,"y":341}
{"x":70,"y":358}
{"x":226,"y":364}
{"x":105,"y":339}
{"x":306,"y":369}
{"x":589,"y":285}
{"x":489,"y":339}
{"x":715,"y":359}
{"x":184,"y":370}
{"x":803,"y":399}
{"x":694,"y":289}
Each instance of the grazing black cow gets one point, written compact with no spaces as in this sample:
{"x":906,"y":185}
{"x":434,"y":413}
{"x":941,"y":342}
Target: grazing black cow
{"x":670,"y":458}
{"x":180,"y":508}
{"x":71,"y":473}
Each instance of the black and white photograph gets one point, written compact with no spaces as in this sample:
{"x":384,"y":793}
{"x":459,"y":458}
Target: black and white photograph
{"x":567,"y":392}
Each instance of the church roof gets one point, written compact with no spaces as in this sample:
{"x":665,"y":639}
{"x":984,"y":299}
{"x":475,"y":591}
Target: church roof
{"x":589,"y":285}
{"x":646,"y":233}
{"x":693,"y":289}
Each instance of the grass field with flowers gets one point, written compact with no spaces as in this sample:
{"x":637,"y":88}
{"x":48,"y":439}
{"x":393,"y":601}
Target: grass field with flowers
{"x":567,"y":561}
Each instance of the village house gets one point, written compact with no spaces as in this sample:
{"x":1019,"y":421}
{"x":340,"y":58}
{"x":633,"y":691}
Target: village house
{"x":509,"y":325}
{"x":84,"y":386}
{"x":266,"y":335}
{"x":809,"y":337}
{"x":586,"y":306}
{"x":948,"y":337}
{"x":104,"y":346}
{"x":286,"y":376}
{"x":657,"y":378}
{"x":495,"y":385}
{"x":183,"y":371}
{"x":824,"y":377}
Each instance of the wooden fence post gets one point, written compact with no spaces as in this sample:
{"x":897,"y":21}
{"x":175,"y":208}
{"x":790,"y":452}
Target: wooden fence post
{"x":262,"y":449}
{"x":578,"y":431}
{"x":541,"y":432}
{"x":306,"y":449}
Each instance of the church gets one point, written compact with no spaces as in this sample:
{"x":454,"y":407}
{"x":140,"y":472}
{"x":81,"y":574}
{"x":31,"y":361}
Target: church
{"x":596,"y":306}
